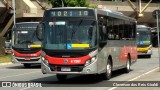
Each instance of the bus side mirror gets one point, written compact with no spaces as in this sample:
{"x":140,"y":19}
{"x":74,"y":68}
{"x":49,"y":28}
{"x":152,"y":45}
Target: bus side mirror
{"x":39,"y":31}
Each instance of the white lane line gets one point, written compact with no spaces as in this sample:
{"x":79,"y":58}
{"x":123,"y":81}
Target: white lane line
{"x":144,"y":74}
{"x":19,"y":75}
{"x":136,"y":77}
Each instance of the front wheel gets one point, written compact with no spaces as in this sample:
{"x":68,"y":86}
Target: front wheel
{"x":61,"y":77}
{"x":107,"y":75}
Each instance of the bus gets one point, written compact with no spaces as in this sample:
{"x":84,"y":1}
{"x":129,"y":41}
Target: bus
{"x":8,"y":47}
{"x":144,"y":44}
{"x":82,"y":40}
{"x":26,"y":48}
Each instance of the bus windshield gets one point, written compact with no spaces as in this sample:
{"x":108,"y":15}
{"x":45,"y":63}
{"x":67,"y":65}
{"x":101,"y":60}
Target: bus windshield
{"x":143,"y":38}
{"x":70,"y":34}
{"x":25,"y":37}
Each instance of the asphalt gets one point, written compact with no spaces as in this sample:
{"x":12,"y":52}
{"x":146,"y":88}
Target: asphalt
{"x":145,"y":69}
{"x":147,"y":81}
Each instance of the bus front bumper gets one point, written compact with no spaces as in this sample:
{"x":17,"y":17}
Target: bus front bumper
{"x":90,"y":69}
{"x":149,"y":52}
{"x":25,"y":60}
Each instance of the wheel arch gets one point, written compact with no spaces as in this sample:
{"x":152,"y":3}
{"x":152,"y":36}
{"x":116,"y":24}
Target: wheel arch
{"x":129,"y":57}
{"x":111,"y":60}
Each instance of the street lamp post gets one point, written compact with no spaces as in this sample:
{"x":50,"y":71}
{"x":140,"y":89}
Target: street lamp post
{"x":62,"y":3}
{"x":157,"y":17}
{"x":14,"y":11}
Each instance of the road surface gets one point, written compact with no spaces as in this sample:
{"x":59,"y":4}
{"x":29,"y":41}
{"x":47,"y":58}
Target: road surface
{"x":16,"y":72}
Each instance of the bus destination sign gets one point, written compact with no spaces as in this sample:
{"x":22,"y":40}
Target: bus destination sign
{"x":71,"y":13}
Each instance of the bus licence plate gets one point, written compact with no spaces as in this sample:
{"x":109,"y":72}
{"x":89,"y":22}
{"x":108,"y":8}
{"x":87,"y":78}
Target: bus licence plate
{"x":27,"y":58}
{"x":65,"y":69}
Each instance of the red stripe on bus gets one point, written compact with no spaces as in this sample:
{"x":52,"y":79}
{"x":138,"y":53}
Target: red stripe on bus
{"x":124,"y":53}
{"x":28,"y":55}
{"x":67,"y":61}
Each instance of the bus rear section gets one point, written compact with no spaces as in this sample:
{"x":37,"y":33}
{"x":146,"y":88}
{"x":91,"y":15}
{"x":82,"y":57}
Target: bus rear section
{"x":26,"y":48}
{"x":75,"y":41}
{"x":144,"y":41}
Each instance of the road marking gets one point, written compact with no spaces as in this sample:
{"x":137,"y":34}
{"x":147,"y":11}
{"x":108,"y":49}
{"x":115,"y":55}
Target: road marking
{"x":136,"y":77}
{"x":19,"y":74}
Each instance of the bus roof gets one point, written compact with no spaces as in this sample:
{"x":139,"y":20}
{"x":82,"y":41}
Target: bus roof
{"x":69,"y":8}
{"x":19,"y":23}
{"x":26,"y":22}
{"x":114,"y":14}
{"x":106,"y":12}
{"x":142,"y":26}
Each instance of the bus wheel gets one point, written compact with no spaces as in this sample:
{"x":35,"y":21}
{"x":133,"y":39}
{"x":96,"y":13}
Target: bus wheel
{"x":61,"y":77}
{"x":26,"y":65}
{"x":128,"y":66}
{"x":107,"y":75}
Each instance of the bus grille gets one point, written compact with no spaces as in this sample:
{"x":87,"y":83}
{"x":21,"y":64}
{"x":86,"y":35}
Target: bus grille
{"x":23,"y":60}
{"x":74,"y":68}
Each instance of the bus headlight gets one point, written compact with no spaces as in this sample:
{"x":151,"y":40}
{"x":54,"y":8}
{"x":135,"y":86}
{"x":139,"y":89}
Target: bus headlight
{"x":93,"y":59}
{"x":45,"y":61}
{"x":42,"y":58}
{"x":88,"y":62}
{"x":12,"y":54}
{"x":150,"y":47}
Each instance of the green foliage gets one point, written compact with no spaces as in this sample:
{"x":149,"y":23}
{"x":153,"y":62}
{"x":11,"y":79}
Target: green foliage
{"x":6,"y":58}
{"x":55,"y":3}
{"x":93,"y":6}
{"x":69,"y":3}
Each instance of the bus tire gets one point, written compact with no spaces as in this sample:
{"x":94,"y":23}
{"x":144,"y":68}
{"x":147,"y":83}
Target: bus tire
{"x":61,"y":77}
{"x":128,"y":66}
{"x":27,"y":65}
{"x":107,"y":75}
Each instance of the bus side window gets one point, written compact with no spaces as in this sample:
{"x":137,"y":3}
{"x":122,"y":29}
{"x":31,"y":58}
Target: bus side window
{"x":102,"y":31}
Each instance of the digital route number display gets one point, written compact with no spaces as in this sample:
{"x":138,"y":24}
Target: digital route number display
{"x":71,"y":13}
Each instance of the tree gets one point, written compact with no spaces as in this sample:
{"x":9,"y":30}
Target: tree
{"x":69,"y":3}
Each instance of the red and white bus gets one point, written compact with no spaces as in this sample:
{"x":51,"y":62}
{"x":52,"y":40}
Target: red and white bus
{"x":26,"y":48}
{"x":83,"y":40}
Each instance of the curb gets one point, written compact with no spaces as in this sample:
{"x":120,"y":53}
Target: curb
{"x":6,"y":63}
